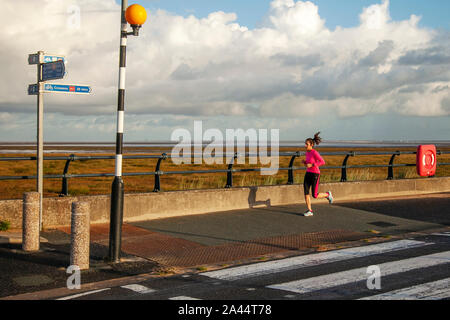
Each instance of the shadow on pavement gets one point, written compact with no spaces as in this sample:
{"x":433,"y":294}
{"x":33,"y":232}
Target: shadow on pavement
{"x":23,"y":272}
{"x":432,"y":208}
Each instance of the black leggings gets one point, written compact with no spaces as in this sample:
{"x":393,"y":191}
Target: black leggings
{"x":311,"y":181}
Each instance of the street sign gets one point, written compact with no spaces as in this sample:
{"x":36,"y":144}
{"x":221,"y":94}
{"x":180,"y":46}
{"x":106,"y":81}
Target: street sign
{"x":48,"y":67}
{"x":53,"y":58}
{"x":67,"y":88}
{"x":53,"y":70}
{"x":34,"y":58}
{"x":33,"y":89}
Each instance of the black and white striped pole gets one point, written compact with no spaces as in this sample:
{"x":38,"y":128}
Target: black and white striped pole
{"x":136,"y":16}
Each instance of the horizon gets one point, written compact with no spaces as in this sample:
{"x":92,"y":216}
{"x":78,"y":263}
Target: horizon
{"x":218,"y":141}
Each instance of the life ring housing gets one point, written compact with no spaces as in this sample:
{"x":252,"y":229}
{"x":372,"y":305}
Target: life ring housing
{"x":426,"y":160}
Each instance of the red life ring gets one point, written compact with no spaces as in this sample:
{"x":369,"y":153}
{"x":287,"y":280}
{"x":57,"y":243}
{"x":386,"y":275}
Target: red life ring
{"x":426,"y":160}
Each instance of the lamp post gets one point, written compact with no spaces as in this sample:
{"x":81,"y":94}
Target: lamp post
{"x":136,"y":16}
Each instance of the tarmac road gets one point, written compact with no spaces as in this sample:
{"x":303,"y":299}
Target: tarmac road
{"x":190,"y":245}
{"x":415,"y":268}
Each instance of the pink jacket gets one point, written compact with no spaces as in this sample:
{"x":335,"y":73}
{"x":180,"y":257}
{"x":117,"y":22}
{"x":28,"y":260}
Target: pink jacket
{"x":314,"y":158}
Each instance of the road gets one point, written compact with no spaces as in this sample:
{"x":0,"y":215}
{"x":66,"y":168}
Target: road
{"x":285,"y":254}
{"x":414,"y":268}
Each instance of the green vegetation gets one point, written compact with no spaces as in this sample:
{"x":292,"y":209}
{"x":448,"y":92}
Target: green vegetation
{"x":4,"y":225}
{"x":14,"y":189}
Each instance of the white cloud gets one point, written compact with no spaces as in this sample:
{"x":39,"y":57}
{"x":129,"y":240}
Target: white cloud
{"x":210,"y":67}
{"x":296,"y":19}
{"x":375,"y":17}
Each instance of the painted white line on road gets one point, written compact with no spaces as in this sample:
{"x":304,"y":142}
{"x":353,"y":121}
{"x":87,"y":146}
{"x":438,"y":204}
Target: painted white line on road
{"x":183,"y":298}
{"x":428,"y":291}
{"x":360,"y":274}
{"x":83,"y":294}
{"x":138,"y":288}
{"x":314,"y":259}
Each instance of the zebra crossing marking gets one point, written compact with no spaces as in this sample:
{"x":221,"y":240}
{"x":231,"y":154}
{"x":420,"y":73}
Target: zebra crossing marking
{"x":83,"y":294}
{"x":351,"y":276}
{"x":436,"y":290}
{"x":138,"y":288}
{"x":314,"y":259}
{"x":445,"y":234}
{"x":183,"y":298}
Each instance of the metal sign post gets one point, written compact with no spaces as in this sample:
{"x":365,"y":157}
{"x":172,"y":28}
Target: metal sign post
{"x":117,"y":189}
{"x":136,"y":16}
{"x":40,"y":137}
{"x":49,"y":67}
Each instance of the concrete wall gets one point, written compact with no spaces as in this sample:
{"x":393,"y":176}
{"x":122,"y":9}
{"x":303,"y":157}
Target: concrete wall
{"x":146,"y":206}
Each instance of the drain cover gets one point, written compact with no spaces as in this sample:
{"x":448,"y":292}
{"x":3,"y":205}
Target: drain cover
{"x":193,"y":256}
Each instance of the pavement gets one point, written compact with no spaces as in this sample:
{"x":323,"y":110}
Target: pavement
{"x":189,"y":244}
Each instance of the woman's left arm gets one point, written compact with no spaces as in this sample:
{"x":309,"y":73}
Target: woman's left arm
{"x":319,"y":159}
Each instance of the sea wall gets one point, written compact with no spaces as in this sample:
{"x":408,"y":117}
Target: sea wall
{"x":146,"y":206}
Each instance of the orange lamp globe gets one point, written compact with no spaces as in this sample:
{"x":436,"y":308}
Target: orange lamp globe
{"x":136,"y":15}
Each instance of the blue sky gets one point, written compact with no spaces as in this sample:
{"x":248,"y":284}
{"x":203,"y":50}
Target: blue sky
{"x":280,"y":64}
{"x":435,"y":13}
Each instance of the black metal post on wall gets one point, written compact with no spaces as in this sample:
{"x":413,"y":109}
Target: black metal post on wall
{"x":344,"y":166}
{"x":291,"y":171}
{"x":65,"y":184}
{"x":230,"y":172}
{"x":391,"y":168}
{"x":158,"y":173}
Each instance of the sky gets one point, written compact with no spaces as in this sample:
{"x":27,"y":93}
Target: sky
{"x":352,"y":69}
{"x":343,"y":13}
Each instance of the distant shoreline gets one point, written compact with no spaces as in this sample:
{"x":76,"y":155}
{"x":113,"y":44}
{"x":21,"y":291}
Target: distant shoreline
{"x":165,"y":146}
{"x":286,"y":143}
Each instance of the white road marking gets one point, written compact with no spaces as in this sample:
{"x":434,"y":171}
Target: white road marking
{"x":441,"y":234}
{"x":428,"y":291}
{"x":138,"y":288}
{"x":311,"y":260}
{"x":183,"y":298}
{"x":83,"y":294}
{"x":355,"y":275}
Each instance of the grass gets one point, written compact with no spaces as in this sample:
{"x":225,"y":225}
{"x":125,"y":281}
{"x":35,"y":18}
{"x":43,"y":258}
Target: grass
{"x":202,"y":269}
{"x":14,"y":189}
{"x":5,"y":225}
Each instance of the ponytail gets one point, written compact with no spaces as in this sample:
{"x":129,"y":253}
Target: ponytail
{"x":316,"y":140}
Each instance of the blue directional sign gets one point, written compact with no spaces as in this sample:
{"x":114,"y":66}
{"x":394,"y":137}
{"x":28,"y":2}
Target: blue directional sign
{"x":34,"y":58}
{"x":53,"y":70}
{"x":48,"y":58}
{"x":67,"y":88}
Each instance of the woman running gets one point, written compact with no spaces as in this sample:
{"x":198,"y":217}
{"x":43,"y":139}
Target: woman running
{"x":312,"y":177}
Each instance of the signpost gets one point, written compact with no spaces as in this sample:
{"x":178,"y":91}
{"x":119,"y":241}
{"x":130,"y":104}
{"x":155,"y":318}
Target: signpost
{"x":49,"y":67}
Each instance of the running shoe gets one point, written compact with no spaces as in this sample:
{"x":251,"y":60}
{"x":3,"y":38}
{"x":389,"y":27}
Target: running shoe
{"x":308,"y":213}
{"x":330,"y":197}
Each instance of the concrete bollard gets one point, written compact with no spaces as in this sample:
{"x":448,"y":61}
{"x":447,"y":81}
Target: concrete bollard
{"x":80,"y":238}
{"x":30,"y":222}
